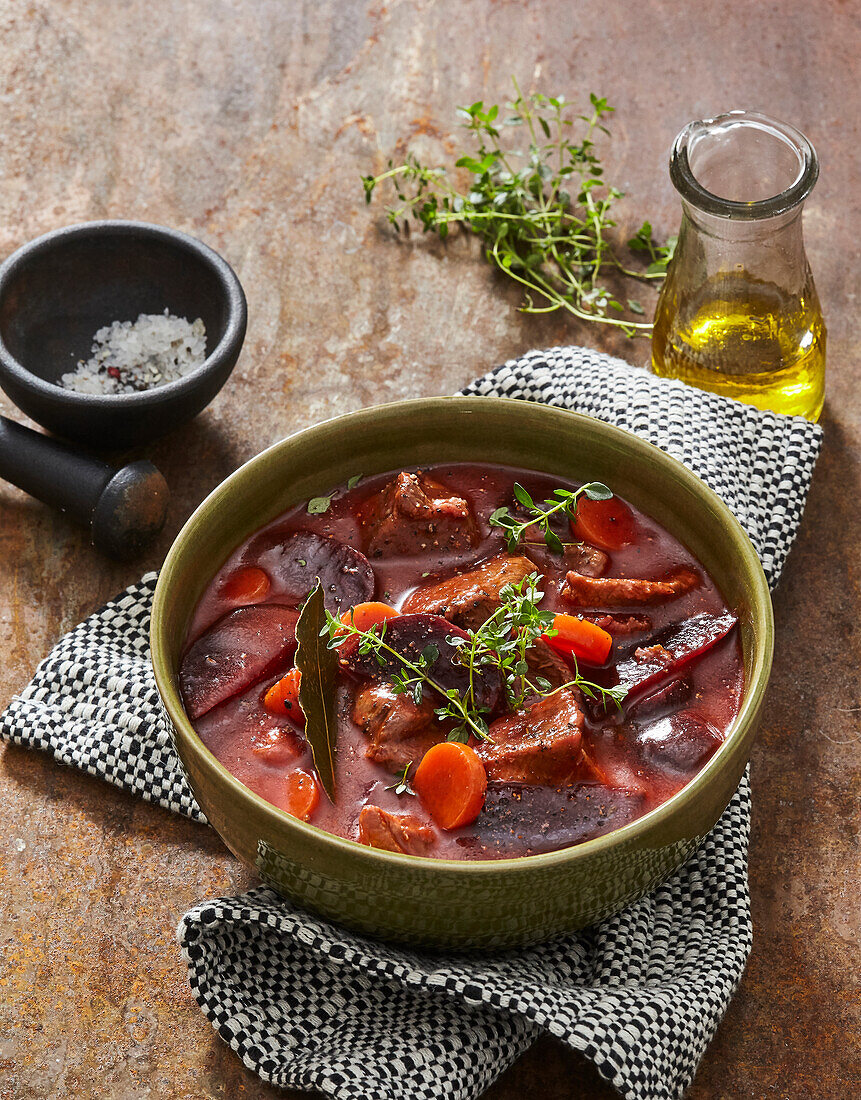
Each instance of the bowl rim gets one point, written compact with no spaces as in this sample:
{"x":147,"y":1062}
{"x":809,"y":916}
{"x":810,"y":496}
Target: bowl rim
{"x":230,"y":342}
{"x":751,"y":702}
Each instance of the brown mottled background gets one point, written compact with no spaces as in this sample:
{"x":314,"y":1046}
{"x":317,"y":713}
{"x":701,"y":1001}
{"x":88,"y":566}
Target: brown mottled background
{"x":248,"y":122}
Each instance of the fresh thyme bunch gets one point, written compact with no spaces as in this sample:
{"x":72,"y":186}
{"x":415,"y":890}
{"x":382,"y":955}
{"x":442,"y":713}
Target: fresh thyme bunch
{"x":542,"y":211}
{"x":506,"y":636}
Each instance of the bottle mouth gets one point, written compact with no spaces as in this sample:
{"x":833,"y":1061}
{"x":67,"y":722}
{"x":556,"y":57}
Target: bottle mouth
{"x":743,"y":165}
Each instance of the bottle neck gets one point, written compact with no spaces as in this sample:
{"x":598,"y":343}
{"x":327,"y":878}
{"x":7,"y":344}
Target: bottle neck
{"x":736,"y":231}
{"x":770,"y":250}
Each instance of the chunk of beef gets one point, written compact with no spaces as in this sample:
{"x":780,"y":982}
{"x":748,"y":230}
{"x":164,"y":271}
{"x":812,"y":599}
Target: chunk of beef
{"x":394,"y":832}
{"x":399,"y":731}
{"x":468,"y":599}
{"x":543,"y":660}
{"x":622,"y":626}
{"x":587,"y":560}
{"x":414,"y":513}
{"x":655,"y":654}
{"x":243,"y":647}
{"x":622,"y":591}
{"x":525,"y":819}
{"x":276,"y":745}
{"x":542,"y":744}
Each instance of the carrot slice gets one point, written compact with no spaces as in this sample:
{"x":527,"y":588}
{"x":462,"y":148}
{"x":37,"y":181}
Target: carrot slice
{"x":301,"y":794}
{"x":365,"y":615}
{"x":245,"y":586}
{"x":451,"y":783}
{"x":579,"y":638}
{"x":283,"y":697}
{"x":609,"y":524}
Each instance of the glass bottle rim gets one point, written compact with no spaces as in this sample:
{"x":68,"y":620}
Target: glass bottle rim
{"x":691,"y":190}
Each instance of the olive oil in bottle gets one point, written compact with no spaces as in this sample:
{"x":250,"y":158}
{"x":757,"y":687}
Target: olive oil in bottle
{"x":738,"y":313}
{"x":747,"y":339}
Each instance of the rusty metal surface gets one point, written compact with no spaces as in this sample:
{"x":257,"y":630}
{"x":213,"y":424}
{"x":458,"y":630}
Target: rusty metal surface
{"x":248,"y":124}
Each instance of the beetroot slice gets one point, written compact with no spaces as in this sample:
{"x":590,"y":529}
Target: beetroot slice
{"x":294,"y":563}
{"x":680,"y":743}
{"x":667,"y":699}
{"x":680,"y":646}
{"x":409,"y":635}
{"x":241,"y":648}
{"x":521,"y":819}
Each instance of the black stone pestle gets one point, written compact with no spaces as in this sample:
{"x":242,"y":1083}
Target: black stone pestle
{"x":124,"y":509}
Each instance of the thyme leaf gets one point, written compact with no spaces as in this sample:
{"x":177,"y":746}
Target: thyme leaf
{"x":403,"y":784}
{"x":318,"y":505}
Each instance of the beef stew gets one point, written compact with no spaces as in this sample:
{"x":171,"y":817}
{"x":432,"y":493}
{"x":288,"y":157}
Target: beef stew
{"x":577,"y":658}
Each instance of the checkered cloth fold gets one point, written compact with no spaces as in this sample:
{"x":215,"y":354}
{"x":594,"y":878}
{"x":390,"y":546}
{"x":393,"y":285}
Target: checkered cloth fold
{"x":308,"y":1005}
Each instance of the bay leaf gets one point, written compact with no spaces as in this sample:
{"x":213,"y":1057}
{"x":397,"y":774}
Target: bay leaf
{"x":319,"y":668}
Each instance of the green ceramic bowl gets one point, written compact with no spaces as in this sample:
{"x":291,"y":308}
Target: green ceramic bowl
{"x":449,"y":903}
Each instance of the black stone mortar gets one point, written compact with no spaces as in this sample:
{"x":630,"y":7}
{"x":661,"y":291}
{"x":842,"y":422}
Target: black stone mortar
{"x":57,"y":291}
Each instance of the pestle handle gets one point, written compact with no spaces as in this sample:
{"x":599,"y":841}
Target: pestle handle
{"x":124,"y":509}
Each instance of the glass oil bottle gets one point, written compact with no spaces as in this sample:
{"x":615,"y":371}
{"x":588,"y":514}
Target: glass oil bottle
{"x":738,"y":313}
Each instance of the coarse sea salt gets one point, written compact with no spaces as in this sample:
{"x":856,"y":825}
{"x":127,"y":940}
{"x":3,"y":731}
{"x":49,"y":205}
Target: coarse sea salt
{"x":130,"y":356}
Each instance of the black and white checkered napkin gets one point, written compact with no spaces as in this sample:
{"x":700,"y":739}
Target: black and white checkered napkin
{"x":308,"y":1005}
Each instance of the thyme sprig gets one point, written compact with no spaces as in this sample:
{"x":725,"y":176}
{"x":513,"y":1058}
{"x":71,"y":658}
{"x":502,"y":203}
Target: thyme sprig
{"x":501,"y":642}
{"x":503,"y":639}
{"x":412,"y":677}
{"x":542,"y":212}
{"x":561,"y":500}
{"x":402,"y":786}
{"x":615,"y":695}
